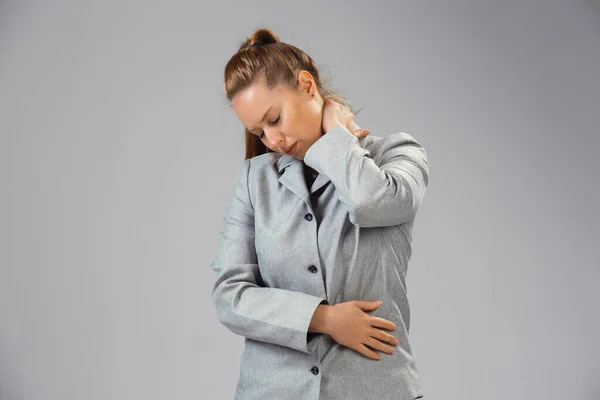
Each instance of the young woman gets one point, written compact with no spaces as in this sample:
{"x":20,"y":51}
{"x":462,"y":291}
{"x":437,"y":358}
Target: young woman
{"x":318,"y":228}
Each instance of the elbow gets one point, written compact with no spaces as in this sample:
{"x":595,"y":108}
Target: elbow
{"x":365,"y":217}
{"x":225,"y":299}
{"x":359,"y":216}
{"x":221,"y":306}
{"x":361,"y":213}
{"x":225,"y":314}
{"x":367,"y":213}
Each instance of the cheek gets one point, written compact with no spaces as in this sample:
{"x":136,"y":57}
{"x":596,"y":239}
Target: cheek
{"x":315,"y":115}
{"x":311,"y":119}
{"x":292,"y":126}
{"x":314,"y":124}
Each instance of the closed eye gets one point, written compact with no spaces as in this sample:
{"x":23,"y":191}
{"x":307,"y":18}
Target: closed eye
{"x":270,"y":123}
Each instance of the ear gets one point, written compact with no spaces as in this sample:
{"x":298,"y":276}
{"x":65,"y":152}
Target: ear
{"x":306,"y":83}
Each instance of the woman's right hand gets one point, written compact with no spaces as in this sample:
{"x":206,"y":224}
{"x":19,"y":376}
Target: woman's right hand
{"x":349,"y":325}
{"x":335,"y":114}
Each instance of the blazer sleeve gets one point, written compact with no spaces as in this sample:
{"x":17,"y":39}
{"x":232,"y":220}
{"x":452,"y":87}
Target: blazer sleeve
{"x":242,"y":303}
{"x":384,"y":191}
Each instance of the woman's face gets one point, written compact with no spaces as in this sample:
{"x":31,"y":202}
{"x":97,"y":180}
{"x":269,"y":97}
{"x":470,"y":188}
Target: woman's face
{"x":292,"y":118}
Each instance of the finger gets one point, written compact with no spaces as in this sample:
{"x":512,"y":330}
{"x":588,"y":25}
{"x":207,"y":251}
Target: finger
{"x":382,"y":323}
{"x":365,"y":305}
{"x":359,"y":133}
{"x":384,"y":337}
{"x":378,"y":345}
{"x":367,"y":352}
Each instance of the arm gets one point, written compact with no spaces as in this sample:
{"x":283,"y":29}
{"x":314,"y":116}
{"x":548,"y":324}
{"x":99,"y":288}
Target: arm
{"x":384,"y":195}
{"x":242,"y":304}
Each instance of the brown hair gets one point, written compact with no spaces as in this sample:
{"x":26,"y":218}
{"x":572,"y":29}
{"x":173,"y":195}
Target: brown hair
{"x":277,"y":63}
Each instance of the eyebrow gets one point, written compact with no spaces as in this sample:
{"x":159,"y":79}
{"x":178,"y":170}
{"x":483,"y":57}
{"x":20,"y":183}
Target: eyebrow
{"x":264,"y":116}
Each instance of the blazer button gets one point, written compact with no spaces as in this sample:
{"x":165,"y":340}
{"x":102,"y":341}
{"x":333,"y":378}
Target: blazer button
{"x":314,"y":370}
{"x":312,"y":269}
{"x":308,"y":217}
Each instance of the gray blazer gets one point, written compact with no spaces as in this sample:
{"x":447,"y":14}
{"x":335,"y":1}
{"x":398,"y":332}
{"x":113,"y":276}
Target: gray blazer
{"x":285,"y":249}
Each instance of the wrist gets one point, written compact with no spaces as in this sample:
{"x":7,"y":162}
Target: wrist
{"x":320,"y":319}
{"x":328,"y":127}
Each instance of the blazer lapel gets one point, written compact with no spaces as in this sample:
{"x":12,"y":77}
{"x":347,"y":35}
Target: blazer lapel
{"x":292,"y":177}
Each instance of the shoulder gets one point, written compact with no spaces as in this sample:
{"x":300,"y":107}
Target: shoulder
{"x":263,"y":163}
{"x":392,"y":139}
{"x":398,"y":142}
{"x":259,"y":166}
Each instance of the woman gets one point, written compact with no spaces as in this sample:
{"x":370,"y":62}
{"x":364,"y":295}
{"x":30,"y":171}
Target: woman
{"x":318,"y":228}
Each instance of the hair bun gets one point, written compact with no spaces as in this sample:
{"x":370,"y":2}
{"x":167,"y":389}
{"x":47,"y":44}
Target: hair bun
{"x":264,"y":36}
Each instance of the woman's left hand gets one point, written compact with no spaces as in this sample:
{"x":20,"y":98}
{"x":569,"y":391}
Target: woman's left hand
{"x":335,"y":114}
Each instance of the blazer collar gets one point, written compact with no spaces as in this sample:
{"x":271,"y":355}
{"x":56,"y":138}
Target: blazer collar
{"x":292,"y":176}
{"x":284,"y":161}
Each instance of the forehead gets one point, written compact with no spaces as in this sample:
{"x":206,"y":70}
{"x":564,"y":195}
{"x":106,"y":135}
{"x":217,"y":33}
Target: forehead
{"x":251,"y":103}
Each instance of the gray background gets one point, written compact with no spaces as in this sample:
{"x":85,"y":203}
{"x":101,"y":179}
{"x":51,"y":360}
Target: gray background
{"x":118,"y":153}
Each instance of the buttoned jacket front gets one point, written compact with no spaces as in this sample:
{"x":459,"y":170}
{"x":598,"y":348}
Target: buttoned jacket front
{"x":285,"y":249}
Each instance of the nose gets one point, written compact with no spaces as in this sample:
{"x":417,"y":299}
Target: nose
{"x":274,"y":138}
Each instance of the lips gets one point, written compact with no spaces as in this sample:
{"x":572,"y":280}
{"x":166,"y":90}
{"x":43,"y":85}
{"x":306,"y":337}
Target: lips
{"x":291,"y":149}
